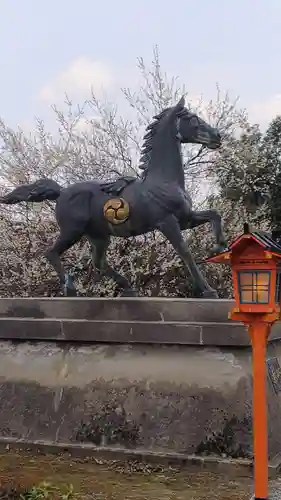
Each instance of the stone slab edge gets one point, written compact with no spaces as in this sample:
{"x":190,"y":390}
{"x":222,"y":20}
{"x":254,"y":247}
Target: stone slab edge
{"x":85,"y":451}
{"x":213,"y":464}
{"x":128,"y":332}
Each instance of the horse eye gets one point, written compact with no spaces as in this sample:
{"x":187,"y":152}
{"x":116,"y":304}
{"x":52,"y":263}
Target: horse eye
{"x":194,"y":121}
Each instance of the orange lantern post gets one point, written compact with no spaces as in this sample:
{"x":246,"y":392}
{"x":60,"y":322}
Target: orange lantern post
{"x":254,"y":258}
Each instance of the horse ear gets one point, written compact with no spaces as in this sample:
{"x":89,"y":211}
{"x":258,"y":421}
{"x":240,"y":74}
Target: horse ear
{"x":180,"y":104}
{"x":177,"y":108}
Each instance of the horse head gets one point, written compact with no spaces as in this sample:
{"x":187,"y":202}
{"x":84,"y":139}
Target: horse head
{"x":190,"y":128}
{"x":182,"y":126}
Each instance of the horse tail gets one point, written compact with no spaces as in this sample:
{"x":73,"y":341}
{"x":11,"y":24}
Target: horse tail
{"x":43,"y":189}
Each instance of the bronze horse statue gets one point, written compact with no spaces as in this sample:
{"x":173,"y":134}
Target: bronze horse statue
{"x":133,"y":206}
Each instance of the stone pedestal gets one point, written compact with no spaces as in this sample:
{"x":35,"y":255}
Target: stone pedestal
{"x":152,"y":376}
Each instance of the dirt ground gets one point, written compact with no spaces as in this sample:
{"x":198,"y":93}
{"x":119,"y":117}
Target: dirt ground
{"x":100,"y":480}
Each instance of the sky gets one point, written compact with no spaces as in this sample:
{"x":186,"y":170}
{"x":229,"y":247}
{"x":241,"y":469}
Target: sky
{"x":56,"y":46}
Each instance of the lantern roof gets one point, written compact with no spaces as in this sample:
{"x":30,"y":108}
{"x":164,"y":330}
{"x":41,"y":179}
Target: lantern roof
{"x":262,"y":238}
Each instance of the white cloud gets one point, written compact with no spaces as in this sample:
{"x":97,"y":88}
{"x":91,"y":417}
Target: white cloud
{"x":263,"y":112}
{"x":77,"y":80}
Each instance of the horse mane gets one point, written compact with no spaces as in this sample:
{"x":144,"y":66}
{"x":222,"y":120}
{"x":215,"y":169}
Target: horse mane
{"x":150,"y":134}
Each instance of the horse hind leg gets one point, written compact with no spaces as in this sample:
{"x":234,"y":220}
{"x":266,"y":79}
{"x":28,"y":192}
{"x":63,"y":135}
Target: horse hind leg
{"x":53,"y":255}
{"x":99,"y":248}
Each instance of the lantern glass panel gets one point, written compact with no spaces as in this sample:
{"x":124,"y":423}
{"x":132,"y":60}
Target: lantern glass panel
{"x":254,"y":287}
{"x":278,"y":286}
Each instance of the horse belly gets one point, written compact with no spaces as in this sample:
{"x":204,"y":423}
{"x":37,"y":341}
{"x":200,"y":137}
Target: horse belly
{"x":137,"y":223}
{"x":139,"y":217}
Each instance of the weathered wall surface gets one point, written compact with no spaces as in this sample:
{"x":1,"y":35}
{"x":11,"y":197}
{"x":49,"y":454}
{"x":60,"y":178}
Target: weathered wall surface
{"x":180,"y":399}
{"x":180,"y":395}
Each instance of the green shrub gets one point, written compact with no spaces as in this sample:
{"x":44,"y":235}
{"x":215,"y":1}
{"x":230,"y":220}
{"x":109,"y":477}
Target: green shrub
{"x":49,"y":491}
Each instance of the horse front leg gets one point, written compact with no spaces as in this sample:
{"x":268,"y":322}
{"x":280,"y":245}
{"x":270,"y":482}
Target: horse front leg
{"x":171,"y":229}
{"x":195,"y":219}
{"x":98,"y":249}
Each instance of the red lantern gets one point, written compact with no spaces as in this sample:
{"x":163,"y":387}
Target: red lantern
{"x":256,"y":273}
{"x":255,"y":260}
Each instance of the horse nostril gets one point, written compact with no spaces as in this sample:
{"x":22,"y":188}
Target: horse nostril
{"x":218,"y":136}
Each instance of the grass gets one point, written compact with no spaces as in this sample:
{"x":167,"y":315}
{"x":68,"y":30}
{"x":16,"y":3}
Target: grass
{"x":44,"y":490}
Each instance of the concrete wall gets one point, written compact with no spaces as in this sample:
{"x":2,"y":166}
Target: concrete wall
{"x":138,"y":374}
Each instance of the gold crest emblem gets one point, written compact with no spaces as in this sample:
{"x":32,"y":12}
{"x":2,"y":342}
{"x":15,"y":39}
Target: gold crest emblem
{"x":116,"y":210}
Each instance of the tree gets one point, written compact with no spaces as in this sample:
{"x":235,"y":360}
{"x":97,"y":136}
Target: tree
{"x":270,"y":176}
{"x":96,"y":140}
{"x":252,"y":165}
{"x":238,"y":175}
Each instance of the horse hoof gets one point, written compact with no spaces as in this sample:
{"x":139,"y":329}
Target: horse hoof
{"x":210,"y":294}
{"x":130,"y":292}
{"x":70,"y":292}
{"x":218,"y":249}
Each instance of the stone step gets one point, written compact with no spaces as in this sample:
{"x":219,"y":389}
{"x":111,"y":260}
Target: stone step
{"x":123,"y":320}
{"x":118,"y":309}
